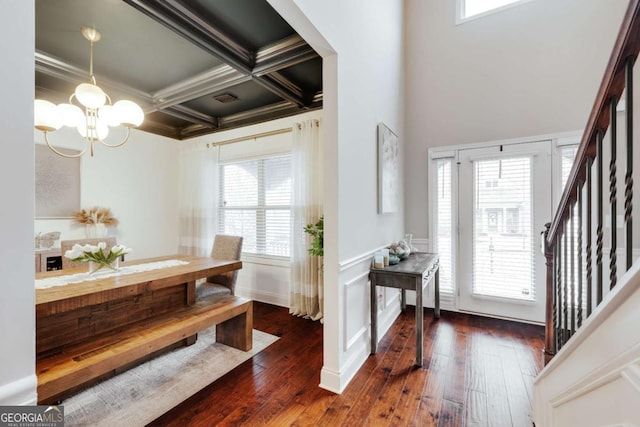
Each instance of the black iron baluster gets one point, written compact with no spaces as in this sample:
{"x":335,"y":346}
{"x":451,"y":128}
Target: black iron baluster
{"x":628,"y":179}
{"x":549,"y":322}
{"x":613,"y":199}
{"x":560,"y":287}
{"x":579,"y":272}
{"x":565,"y":293}
{"x":589,"y":187}
{"x":556,"y":294}
{"x":599,"y":207}
{"x":572,"y":288}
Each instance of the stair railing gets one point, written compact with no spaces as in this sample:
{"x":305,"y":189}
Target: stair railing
{"x":568,"y":240}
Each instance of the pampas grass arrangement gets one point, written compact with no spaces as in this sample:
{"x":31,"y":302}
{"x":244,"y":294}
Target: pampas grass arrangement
{"x":95,"y":215}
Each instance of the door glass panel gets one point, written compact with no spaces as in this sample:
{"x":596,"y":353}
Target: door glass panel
{"x":503,"y":243}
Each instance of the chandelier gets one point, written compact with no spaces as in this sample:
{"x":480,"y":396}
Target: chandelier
{"x":99,"y":113}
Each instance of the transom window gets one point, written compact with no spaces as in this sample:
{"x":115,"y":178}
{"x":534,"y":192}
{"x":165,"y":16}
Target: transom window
{"x":255,"y":202}
{"x":468,"y":9}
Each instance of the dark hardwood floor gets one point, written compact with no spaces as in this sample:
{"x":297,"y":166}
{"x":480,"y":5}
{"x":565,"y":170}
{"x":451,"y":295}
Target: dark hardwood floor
{"x":477,"y":372}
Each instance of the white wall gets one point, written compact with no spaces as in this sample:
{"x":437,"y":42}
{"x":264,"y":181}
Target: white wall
{"x":138,"y":181}
{"x":261,"y":278}
{"x":17,"y":311}
{"x":529,"y":70}
{"x":361,"y":43}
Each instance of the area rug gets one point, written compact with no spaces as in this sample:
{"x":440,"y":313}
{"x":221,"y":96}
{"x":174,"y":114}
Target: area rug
{"x":140,"y":395}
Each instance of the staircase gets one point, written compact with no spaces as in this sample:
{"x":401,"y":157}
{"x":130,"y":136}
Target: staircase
{"x":592,"y":340}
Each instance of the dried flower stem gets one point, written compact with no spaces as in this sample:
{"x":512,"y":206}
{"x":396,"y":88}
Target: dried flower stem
{"x":95,"y":215}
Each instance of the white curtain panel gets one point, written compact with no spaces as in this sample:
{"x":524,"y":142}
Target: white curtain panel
{"x":307,"y":294}
{"x":198,"y":196}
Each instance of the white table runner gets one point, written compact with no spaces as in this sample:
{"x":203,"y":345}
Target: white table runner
{"x":102,"y":273}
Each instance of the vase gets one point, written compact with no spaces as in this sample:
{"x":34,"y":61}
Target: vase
{"x":408,"y":238}
{"x":96,"y":230}
{"x":95,"y":266}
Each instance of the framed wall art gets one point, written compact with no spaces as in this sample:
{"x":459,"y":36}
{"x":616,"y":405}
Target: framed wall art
{"x":388,"y":170}
{"x":57,"y":184}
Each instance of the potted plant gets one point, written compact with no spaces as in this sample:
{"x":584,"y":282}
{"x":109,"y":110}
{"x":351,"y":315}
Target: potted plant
{"x":317,"y":232}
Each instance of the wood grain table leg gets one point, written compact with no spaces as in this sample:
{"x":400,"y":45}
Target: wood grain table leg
{"x":190,"y":293}
{"x":419,"y":321}
{"x":436,"y":283}
{"x":237,"y":332}
{"x":190,"y":299}
{"x":374,"y":318}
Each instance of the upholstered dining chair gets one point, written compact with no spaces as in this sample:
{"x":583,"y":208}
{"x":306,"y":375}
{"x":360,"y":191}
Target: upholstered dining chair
{"x":66,"y":245}
{"x":226,"y":248}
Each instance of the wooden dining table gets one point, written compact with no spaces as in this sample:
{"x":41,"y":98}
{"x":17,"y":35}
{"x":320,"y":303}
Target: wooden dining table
{"x":74,"y":312}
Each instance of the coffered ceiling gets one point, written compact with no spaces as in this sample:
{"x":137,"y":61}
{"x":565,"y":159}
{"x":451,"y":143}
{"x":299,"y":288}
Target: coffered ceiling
{"x":195,"y":66}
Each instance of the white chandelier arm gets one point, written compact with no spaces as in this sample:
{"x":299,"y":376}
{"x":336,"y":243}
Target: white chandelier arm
{"x":69,"y":156}
{"x":92,"y":99}
{"x":124,"y":140}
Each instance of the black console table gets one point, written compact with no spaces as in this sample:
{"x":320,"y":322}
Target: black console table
{"x":413,"y":274}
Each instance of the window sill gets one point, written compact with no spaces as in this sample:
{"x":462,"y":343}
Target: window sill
{"x":271,"y":260}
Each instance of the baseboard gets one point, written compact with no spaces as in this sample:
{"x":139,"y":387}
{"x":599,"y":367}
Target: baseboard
{"x":330,"y":380}
{"x":20,"y":392}
{"x":261,"y":296}
{"x":336,"y":382}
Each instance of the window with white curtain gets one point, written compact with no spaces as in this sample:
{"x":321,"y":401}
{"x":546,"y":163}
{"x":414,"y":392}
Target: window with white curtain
{"x":255,"y":202}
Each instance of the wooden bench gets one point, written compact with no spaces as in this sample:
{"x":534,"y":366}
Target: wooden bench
{"x":75,"y":366}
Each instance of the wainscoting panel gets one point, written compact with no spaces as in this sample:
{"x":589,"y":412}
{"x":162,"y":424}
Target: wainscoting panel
{"x":611,"y":401}
{"x":356,"y":314}
{"x":265,"y":280}
{"x":595,"y":379}
{"x":355,"y":339}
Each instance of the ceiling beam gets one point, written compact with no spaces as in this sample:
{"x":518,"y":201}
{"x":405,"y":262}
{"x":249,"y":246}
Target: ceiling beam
{"x":241,"y":65}
{"x":186,"y":23}
{"x":199,"y":85}
{"x":267,"y":110}
{"x":177,"y":16}
{"x":282,"y":54}
{"x":158,"y":128}
{"x":257,"y":115}
{"x":55,"y":67}
{"x":192,"y":116}
{"x":286,"y":83}
{"x":52,"y":66}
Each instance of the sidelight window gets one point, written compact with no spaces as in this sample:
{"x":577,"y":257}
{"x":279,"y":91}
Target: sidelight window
{"x":445,"y":227}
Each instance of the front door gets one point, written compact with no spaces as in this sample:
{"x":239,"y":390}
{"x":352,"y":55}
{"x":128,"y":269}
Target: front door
{"x":504,"y":202}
